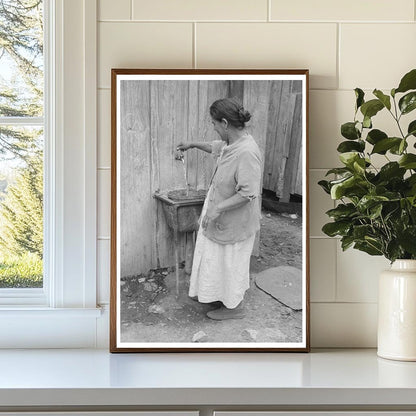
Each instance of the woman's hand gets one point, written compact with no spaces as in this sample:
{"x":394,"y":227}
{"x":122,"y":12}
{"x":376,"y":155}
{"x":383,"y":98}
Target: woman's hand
{"x":183,"y":146}
{"x":211,"y":214}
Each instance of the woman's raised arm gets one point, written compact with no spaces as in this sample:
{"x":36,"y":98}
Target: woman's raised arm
{"x":206,"y":147}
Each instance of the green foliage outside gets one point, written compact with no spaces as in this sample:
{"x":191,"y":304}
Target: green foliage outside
{"x":376,"y":212}
{"x":21,"y":271}
{"x":21,"y":95}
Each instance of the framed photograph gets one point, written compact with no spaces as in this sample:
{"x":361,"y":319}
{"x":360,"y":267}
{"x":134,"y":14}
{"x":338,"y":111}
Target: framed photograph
{"x":209,"y":211}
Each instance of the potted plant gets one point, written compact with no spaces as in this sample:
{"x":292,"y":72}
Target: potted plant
{"x":376,"y":209}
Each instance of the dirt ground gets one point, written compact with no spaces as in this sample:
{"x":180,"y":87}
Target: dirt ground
{"x":151,"y":311}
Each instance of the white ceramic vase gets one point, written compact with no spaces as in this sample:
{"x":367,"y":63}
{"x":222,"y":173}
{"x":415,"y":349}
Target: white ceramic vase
{"x":397,"y":312}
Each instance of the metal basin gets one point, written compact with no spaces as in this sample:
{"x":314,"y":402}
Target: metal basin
{"x":182,"y":211}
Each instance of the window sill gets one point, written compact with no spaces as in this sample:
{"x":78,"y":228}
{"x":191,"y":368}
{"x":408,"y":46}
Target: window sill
{"x":40,"y":327}
{"x":36,"y":312}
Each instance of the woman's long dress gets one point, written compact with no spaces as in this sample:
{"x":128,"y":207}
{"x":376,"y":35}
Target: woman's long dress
{"x":220,"y":272}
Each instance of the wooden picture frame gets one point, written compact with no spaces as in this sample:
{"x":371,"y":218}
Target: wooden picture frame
{"x":153,"y":237}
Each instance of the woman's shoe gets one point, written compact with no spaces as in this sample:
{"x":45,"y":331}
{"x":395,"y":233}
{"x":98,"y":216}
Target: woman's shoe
{"x":224,"y":313}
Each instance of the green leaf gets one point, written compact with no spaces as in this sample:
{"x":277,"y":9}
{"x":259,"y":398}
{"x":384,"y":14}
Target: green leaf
{"x":359,"y":94}
{"x":349,"y":131}
{"x":346,"y":242}
{"x":369,"y":201}
{"x":407,"y":240}
{"x":399,"y":148}
{"x":393,"y":92}
{"x":338,"y":171}
{"x":393,"y":250}
{"x":368,"y":248}
{"x":371,"y":108}
{"x":336,"y":228}
{"x":348,"y":158}
{"x":338,"y":189}
{"x":411,"y":130}
{"x":408,"y":102}
{"x":325,"y":186}
{"x":391,"y":170}
{"x":361,"y":231}
{"x":383,"y":145}
{"x":408,"y":82}
{"x":374,"y":136}
{"x":408,"y":161}
{"x":349,"y":146}
{"x":385,"y":99}
{"x":375,"y":212}
{"x":342,"y":211}
{"x":359,"y":165}
{"x":367,"y":122}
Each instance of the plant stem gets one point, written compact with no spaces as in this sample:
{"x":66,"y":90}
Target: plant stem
{"x":397,"y":118}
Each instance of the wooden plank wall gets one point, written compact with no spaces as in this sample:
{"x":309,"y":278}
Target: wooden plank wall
{"x":155,"y":117}
{"x":283,"y":164}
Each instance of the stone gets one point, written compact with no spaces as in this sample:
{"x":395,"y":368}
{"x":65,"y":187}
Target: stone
{"x":122,"y":283}
{"x":249,"y":335}
{"x":275,"y":335}
{"x":268,"y":215}
{"x":148,"y":287}
{"x":200,"y":336}
{"x":155,"y":309}
{"x":142,"y":279}
{"x":284,"y":283}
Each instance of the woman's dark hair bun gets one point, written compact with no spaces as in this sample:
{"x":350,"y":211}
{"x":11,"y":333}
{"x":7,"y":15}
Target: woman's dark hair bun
{"x":244,"y":115}
{"x":230,"y":109}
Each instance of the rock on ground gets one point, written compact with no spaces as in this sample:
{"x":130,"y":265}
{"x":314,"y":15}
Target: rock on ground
{"x":200,"y":336}
{"x":249,"y":335}
{"x":155,"y":309}
{"x":284,"y":283}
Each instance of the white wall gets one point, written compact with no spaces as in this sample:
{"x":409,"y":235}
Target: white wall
{"x":345,"y":44}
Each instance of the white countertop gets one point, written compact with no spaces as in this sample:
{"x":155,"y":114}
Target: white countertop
{"x":96,"y":377}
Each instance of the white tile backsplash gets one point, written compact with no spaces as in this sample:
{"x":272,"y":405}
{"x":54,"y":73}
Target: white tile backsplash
{"x":345,"y":44}
{"x":341,"y":10}
{"x":357,"y":275}
{"x":319,"y":203}
{"x":323,"y":269}
{"x":270,"y":45}
{"x":376,"y":55}
{"x":348,"y":325}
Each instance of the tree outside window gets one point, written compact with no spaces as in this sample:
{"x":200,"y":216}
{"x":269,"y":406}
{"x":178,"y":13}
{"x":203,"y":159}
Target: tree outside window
{"x":21,"y":143}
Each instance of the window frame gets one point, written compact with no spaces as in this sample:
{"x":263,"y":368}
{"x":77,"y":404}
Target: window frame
{"x":38,"y":296}
{"x":67,"y":305}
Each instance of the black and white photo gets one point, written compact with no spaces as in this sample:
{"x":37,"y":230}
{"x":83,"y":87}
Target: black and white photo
{"x":209,"y":243}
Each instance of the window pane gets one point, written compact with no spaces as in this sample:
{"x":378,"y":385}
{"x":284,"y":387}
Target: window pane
{"x":21,"y":207}
{"x":21,"y":58}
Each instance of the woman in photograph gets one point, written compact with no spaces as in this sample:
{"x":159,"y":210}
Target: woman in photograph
{"x":231,"y":213}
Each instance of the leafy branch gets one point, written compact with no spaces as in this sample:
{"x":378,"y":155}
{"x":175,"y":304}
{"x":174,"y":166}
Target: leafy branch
{"x":376,"y":211}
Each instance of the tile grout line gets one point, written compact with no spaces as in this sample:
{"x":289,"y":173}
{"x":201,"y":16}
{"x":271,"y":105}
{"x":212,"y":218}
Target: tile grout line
{"x":194,"y":63}
{"x":336,"y":272}
{"x":269,"y":10}
{"x":338,"y":64}
{"x":308,"y":22}
{"x":344,"y":303}
{"x":131,"y":9}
